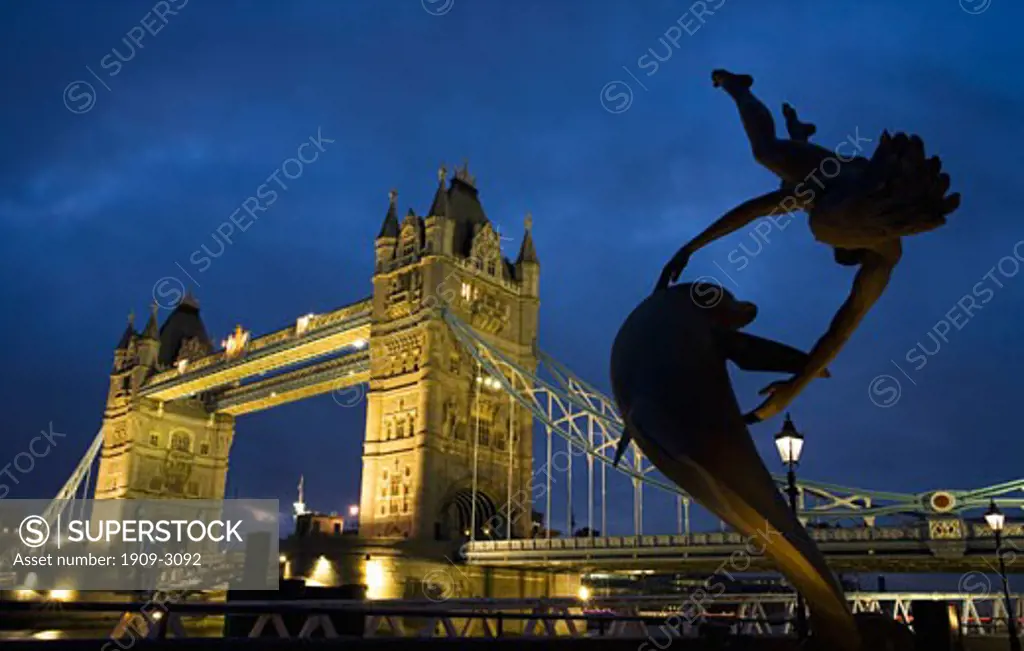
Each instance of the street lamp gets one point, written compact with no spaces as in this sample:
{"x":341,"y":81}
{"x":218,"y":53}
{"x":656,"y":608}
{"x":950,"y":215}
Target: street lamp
{"x":353,"y":510}
{"x":996,"y":521}
{"x":790,"y":443}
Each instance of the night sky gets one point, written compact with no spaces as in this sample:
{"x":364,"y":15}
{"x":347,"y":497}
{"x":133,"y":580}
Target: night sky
{"x":103,"y":196}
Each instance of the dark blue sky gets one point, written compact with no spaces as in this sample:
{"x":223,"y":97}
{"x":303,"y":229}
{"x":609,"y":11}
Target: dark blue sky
{"x":97,"y":206}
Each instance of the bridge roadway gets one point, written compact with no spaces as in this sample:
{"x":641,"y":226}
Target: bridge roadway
{"x":311,"y":337}
{"x":937,"y":545}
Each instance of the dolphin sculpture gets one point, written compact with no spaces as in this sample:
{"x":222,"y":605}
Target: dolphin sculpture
{"x":672,"y":387}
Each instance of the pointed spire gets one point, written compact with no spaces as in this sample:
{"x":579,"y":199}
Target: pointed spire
{"x":439,"y":206}
{"x":390,"y":226}
{"x":300,"y":505}
{"x":527,"y":251}
{"x":152,"y":330}
{"x":129,"y":333}
{"x":189,"y":300}
{"x":464,"y":175}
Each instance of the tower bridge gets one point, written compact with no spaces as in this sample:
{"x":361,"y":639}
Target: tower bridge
{"x":457,"y":387}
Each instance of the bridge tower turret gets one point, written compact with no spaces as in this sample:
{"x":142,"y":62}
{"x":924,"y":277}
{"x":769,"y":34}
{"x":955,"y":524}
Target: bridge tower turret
{"x":149,"y":344}
{"x":153,"y":449}
{"x":432,"y":417}
{"x":385,"y":243}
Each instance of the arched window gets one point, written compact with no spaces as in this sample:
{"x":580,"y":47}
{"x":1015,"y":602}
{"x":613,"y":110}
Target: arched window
{"x":181,"y":441}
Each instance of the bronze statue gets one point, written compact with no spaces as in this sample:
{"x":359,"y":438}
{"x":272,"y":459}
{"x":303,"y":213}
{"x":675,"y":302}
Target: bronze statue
{"x":672,"y":388}
{"x":862,"y":212}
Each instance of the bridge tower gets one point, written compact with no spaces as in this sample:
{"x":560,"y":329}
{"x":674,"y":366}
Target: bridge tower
{"x":152,"y":449}
{"x":445,"y":447}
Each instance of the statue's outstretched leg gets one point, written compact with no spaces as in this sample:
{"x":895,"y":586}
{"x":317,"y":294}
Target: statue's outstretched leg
{"x":799,"y":131}
{"x":790,"y":160}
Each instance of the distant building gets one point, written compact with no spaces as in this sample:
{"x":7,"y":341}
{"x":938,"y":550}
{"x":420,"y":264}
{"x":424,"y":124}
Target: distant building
{"x":319,"y":524}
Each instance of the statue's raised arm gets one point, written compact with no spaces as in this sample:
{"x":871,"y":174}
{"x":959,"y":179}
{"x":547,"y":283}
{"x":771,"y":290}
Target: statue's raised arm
{"x":863,"y":211}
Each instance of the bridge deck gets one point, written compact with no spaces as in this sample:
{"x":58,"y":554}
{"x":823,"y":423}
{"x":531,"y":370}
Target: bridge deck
{"x":324,"y":334}
{"x":907,"y":549}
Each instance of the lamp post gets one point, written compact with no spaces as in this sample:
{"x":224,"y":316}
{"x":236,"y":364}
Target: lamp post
{"x":790,"y":443}
{"x":996,"y":520}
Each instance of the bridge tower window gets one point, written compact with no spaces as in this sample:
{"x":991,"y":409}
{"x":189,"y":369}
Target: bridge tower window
{"x":181,"y":442}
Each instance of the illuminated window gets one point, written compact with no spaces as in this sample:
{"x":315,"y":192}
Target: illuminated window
{"x":467,"y":291}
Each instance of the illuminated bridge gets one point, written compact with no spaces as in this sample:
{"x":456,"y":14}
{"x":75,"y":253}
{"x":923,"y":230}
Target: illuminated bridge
{"x":460,"y":402}
{"x":859,"y":530}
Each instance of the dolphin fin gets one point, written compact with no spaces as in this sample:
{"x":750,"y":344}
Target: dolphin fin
{"x":620,"y":449}
{"x":753,"y":353}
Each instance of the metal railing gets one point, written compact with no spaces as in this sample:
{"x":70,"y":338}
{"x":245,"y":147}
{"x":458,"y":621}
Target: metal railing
{"x":769,"y":614}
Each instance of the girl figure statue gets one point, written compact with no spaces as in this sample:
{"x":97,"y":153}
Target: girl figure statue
{"x":863,"y":212}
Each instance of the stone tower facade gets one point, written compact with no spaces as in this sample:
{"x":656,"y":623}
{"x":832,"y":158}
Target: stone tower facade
{"x":431,"y":415}
{"x":157,"y":450}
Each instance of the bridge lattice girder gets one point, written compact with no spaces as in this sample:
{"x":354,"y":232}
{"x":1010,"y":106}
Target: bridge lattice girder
{"x":569,"y":407}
